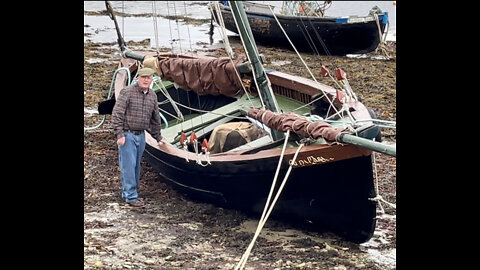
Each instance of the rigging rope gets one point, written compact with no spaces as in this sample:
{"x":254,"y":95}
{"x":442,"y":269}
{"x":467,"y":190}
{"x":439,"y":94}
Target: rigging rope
{"x":340,"y":84}
{"x":324,"y":46}
{"x":167,"y":95}
{"x":223,"y":33}
{"x":254,"y":77}
{"x":191,"y":53}
{"x":170,"y":26}
{"x":199,"y":110}
{"x":308,"y":69}
{"x":307,"y":36}
{"x":178,"y":27}
{"x":188,"y":29}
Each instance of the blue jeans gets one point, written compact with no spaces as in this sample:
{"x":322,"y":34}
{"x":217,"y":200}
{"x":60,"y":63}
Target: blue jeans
{"x":130,"y":157}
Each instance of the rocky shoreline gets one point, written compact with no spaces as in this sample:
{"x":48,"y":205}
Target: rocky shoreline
{"x":173,"y":232}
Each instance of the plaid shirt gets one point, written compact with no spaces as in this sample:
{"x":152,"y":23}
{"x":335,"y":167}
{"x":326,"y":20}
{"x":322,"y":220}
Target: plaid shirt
{"x":135,"y":110}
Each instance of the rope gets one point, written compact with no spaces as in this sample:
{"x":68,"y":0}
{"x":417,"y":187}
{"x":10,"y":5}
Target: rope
{"x":223,"y":32}
{"x":227,"y":46}
{"x":324,"y":46}
{"x":378,"y":198}
{"x":178,"y":27}
{"x":110,"y":95}
{"x":254,"y":77}
{"x":197,"y":155}
{"x":307,"y":36}
{"x":167,"y":95}
{"x":341,"y":85}
{"x":382,"y":44}
{"x":97,"y":126}
{"x":204,"y":111}
{"x":265,"y":216}
{"x":164,"y":119}
{"x":306,"y":66}
{"x":173,"y":116}
{"x":170,"y":26}
{"x":188,"y":29}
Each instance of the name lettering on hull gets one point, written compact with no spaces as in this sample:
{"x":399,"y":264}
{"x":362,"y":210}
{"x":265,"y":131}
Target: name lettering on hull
{"x":310,"y":160}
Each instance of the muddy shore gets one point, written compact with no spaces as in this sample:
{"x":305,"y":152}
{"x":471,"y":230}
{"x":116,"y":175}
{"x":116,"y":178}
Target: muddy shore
{"x":173,"y":232}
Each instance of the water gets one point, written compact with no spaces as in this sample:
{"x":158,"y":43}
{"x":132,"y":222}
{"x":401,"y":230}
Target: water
{"x":170,"y":32}
{"x":182,"y":36}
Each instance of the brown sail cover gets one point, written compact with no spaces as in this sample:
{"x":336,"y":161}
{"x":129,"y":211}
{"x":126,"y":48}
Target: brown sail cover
{"x":295,"y":123}
{"x":213,"y":76}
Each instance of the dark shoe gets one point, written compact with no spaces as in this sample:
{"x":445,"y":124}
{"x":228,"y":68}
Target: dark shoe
{"x":136,"y":203}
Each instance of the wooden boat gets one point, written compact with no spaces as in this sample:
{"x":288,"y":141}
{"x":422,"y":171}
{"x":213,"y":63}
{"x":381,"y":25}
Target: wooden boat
{"x":322,"y":35}
{"x":225,"y":147}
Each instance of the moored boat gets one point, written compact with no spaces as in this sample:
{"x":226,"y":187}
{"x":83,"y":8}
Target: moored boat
{"x":310,"y":32}
{"x":232,"y":127}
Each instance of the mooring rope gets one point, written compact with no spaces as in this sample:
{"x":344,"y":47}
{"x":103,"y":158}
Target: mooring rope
{"x":382,"y":45}
{"x":266,"y":214}
{"x":378,"y":198}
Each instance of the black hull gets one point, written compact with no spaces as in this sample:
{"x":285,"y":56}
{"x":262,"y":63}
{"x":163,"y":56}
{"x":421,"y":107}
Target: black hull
{"x":330,"y":197}
{"x":329,"y":37}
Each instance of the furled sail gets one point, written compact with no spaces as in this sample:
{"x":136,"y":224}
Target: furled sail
{"x":214,"y":76}
{"x":296,"y":123}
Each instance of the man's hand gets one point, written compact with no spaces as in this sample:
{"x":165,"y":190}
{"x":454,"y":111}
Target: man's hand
{"x":162,"y":141}
{"x":121,"y":141}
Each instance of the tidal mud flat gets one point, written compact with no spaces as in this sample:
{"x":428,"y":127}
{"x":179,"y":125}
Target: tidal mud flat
{"x":174,"y":232}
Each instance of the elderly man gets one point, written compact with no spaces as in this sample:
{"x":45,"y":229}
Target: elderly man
{"x":135,"y":110}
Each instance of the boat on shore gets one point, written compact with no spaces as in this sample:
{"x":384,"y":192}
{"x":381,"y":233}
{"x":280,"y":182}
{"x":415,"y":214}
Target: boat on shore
{"x":233,"y":128}
{"x":310,"y":32}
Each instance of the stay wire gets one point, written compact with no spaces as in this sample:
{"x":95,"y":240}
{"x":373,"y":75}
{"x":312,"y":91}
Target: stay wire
{"x":191,"y":53}
{"x":178,"y":27}
{"x":227,"y":46}
{"x":170,"y":26}
{"x":324,"y":46}
{"x":307,"y":36}
{"x":301,"y":59}
{"x":188,"y":30}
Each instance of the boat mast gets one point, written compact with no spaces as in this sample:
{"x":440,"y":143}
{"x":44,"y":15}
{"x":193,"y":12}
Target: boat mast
{"x":265,"y":89}
{"x":121,"y":42}
{"x":110,"y":13}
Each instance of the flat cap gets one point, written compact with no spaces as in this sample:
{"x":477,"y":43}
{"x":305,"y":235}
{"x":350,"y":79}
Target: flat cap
{"x":146,"y":72}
